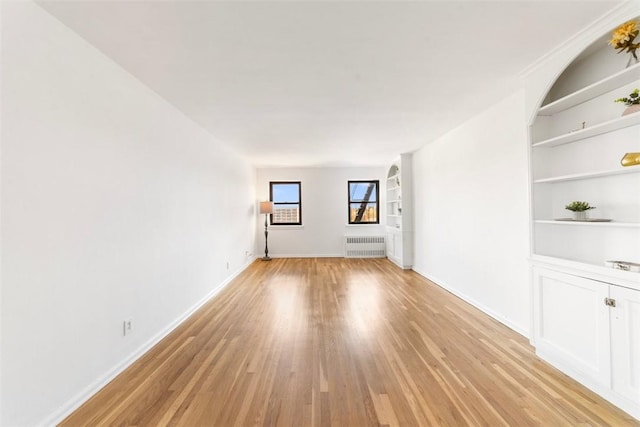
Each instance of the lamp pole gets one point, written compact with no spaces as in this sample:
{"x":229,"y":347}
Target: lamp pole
{"x":266,"y":208}
{"x":266,"y":236}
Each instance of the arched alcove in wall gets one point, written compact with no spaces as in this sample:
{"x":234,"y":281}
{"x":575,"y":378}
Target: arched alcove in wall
{"x":596,"y":62}
{"x":577,"y":141}
{"x":399,"y":239}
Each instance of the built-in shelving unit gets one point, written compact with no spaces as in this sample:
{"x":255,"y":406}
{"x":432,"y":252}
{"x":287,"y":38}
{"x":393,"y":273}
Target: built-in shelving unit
{"x":612,"y":82}
{"x":599,"y":129}
{"x":584,"y":164}
{"x":585,"y":318}
{"x":398,"y":214}
{"x":394,"y":198}
{"x":586,"y":175}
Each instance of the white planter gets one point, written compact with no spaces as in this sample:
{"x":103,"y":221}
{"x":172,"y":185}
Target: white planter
{"x":581,"y":216}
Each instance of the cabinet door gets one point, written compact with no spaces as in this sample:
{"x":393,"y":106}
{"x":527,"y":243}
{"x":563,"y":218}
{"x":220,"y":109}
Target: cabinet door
{"x":571,"y":325}
{"x":397,"y":247}
{"x":390,"y":245}
{"x":394,"y":245}
{"x":625,"y":342}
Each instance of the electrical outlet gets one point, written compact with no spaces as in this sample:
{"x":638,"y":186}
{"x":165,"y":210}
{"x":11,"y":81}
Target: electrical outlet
{"x":127,"y":327}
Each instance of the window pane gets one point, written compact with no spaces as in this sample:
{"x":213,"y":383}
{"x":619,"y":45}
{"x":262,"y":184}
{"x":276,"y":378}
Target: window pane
{"x":286,"y":214}
{"x":358,"y":191}
{"x":286,"y":193}
{"x":368,"y":212}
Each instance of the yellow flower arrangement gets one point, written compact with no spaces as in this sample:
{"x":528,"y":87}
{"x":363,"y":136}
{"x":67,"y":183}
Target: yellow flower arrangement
{"x":624,"y":36}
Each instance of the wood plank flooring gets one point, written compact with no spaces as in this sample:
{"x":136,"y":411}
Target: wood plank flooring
{"x":342,"y":342}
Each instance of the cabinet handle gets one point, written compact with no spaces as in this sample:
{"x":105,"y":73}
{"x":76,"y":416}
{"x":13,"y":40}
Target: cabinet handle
{"x":610,"y":302}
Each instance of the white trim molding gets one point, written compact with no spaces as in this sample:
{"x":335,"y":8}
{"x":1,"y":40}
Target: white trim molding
{"x":340,"y":255}
{"x":620,"y":13}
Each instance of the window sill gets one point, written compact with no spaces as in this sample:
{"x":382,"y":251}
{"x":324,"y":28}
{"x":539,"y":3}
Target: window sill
{"x":285,"y":227}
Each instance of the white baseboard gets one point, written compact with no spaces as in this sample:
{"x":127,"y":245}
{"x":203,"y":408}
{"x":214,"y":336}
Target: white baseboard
{"x":397,"y":262}
{"x":84,"y":395}
{"x":340,"y":255}
{"x":474,"y":303}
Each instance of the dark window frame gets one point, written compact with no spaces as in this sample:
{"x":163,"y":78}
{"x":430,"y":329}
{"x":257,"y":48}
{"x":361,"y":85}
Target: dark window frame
{"x":350,"y":202}
{"x":299,"y":203}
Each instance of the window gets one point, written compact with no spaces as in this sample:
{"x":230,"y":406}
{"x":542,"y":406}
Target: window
{"x":363,"y":202}
{"x":287,"y":203}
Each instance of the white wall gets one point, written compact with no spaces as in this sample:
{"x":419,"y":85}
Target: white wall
{"x":114,"y":206}
{"x":324,"y":210}
{"x":471,"y":212}
{"x":1,"y":261}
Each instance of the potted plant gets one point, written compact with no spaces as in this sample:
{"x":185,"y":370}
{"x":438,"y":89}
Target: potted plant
{"x":579,"y":210}
{"x":632,"y":102}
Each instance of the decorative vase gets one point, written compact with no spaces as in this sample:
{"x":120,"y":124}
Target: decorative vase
{"x":631,"y":109}
{"x":581,"y":216}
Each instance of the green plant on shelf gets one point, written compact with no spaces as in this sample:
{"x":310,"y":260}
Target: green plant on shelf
{"x":579,"y":206}
{"x":632,"y":99}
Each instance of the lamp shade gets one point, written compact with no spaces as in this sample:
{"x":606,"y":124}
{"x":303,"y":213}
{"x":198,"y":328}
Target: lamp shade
{"x":266,"y":207}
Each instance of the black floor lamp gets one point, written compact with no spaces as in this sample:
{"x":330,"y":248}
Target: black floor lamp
{"x":266,"y":208}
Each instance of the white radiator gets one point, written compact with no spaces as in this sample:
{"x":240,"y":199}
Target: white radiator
{"x":364,"y":247}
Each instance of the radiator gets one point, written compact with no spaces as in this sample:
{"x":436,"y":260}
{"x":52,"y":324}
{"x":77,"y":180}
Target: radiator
{"x":364,"y":247}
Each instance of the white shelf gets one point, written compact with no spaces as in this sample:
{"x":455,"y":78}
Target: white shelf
{"x":395,"y":216}
{"x":589,"y":223}
{"x":628,"y":279}
{"x":588,"y":175}
{"x":393,"y":201}
{"x":389,"y":189}
{"x":621,"y":78}
{"x":600,"y":128}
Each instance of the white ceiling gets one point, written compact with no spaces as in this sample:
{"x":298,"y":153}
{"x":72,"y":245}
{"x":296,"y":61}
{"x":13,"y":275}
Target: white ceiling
{"x":327,"y":83}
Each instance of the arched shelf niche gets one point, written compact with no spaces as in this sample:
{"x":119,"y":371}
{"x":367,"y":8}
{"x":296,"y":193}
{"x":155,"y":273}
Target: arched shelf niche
{"x":399,"y":239}
{"x":577,"y":141}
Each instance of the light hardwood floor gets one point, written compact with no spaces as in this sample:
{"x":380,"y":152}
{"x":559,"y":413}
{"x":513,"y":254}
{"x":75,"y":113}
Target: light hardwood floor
{"x":342,"y":342}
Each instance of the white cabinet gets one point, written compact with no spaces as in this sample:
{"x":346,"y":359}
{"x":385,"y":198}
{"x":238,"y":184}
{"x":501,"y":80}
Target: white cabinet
{"x":572,"y":326}
{"x":394,"y":245}
{"x":591,"y":331}
{"x":399,"y":197}
{"x":625,"y":340}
